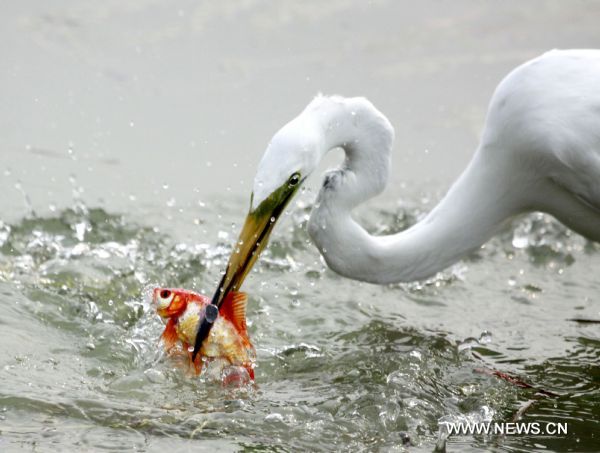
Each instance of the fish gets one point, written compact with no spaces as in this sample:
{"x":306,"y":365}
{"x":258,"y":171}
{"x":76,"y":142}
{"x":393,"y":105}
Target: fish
{"x":182,"y":311}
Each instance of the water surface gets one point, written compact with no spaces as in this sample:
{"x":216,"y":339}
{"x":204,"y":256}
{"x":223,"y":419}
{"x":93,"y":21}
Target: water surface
{"x":340,"y":364}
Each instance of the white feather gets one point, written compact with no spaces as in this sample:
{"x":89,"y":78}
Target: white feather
{"x":540,"y":150}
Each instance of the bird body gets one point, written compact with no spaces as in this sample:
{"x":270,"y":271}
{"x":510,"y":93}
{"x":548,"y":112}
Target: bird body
{"x":540,"y":151}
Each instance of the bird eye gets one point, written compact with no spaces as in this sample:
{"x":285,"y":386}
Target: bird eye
{"x":294,"y":179}
{"x":165,"y":293}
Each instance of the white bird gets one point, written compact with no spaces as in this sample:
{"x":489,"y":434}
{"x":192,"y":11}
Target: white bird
{"x":539,"y":151}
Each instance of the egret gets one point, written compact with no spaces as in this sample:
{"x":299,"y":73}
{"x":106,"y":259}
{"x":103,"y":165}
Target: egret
{"x":539,"y":151}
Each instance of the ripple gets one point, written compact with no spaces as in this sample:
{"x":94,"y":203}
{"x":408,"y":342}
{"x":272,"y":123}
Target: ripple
{"x":357,"y":366}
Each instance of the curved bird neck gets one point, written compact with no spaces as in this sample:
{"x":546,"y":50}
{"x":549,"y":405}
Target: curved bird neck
{"x":473,"y":210}
{"x":476,"y":207}
{"x":365,"y":135}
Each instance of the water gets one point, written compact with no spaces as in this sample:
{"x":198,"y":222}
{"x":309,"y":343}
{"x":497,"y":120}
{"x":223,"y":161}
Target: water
{"x":341,"y":364}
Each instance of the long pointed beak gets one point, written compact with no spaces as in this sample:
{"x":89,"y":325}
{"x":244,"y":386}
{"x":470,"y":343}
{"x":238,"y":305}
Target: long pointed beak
{"x":253,"y":239}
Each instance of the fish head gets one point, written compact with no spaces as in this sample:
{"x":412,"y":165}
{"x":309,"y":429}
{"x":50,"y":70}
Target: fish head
{"x":171,"y":302}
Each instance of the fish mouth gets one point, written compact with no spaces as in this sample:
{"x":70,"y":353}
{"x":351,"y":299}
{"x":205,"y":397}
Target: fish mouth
{"x":253,"y":239}
{"x":163,"y":313}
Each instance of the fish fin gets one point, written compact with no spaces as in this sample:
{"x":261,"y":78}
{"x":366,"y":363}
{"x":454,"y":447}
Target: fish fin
{"x":234,"y":309}
{"x":196,"y":364}
{"x":169,"y":336}
{"x":250,"y":370}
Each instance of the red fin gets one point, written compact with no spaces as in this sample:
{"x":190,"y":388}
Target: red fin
{"x":195,"y":364}
{"x":250,"y":371}
{"x":198,"y":364}
{"x":169,"y":336}
{"x":234,"y":309}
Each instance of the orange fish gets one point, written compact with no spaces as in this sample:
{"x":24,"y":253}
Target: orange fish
{"x":182,"y":312}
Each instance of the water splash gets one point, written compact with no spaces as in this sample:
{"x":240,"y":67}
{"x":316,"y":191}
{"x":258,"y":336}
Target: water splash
{"x":341,"y":368}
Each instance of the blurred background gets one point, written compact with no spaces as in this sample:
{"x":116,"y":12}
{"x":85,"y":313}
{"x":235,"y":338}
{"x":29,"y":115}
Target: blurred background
{"x":128,"y":97}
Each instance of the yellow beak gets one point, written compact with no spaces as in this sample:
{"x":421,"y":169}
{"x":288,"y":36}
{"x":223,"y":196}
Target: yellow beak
{"x":253,"y":239}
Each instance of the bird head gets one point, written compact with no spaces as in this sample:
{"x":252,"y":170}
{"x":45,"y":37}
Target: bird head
{"x":290,"y":157}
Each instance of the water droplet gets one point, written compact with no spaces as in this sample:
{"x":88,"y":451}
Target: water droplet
{"x":485,"y":337}
{"x":80,"y":230}
{"x":520,"y":242}
{"x":155,"y":376}
{"x":467,"y":344}
{"x":416,"y":354}
{"x":274,"y":417}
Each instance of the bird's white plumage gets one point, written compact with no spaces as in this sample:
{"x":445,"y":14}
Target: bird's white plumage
{"x":540,"y":150}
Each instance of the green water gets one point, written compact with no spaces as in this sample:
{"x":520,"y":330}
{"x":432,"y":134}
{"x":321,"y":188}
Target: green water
{"x":341,"y":365}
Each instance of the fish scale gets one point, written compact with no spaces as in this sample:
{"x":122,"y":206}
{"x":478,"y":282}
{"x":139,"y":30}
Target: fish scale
{"x":228,"y":341}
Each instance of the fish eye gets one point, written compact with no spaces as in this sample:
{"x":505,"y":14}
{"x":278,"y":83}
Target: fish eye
{"x":165,"y":293}
{"x":294,"y":179}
